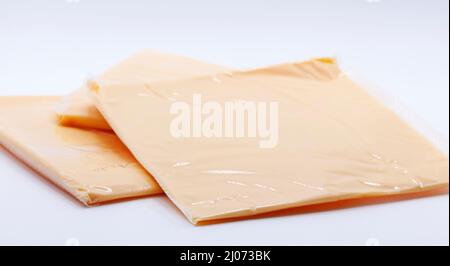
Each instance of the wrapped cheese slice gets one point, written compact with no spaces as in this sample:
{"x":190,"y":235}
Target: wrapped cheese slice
{"x":319,"y":138}
{"x":93,"y":166}
{"x":147,"y":66}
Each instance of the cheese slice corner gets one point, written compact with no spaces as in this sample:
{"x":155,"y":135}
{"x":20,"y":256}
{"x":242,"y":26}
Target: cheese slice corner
{"x":93,"y":166}
{"x":78,"y":110}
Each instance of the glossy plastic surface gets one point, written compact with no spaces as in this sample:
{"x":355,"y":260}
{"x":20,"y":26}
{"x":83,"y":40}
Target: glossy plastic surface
{"x":93,"y":166}
{"x":78,"y":110}
{"x":335,"y":142}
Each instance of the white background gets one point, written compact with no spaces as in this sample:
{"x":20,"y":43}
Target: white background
{"x":49,"y":47}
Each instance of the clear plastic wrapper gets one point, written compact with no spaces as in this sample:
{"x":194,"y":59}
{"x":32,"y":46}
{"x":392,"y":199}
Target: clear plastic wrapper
{"x":93,"y":166}
{"x":239,"y":144}
{"x":78,"y":110}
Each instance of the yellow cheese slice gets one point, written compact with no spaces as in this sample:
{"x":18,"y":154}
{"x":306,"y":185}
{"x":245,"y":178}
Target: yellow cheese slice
{"x":335,"y":141}
{"x":93,"y":166}
{"x":148,"y":66}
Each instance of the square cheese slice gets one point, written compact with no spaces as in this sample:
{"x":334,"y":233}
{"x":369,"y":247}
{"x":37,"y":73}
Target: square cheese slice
{"x":93,"y":166}
{"x":78,"y":110}
{"x":332,"y":140}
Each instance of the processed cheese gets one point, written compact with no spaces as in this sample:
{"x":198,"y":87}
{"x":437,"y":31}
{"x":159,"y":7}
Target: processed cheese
{"x":93,"y":166}
{"x":78,"y":110}
{"x":330,"y":140}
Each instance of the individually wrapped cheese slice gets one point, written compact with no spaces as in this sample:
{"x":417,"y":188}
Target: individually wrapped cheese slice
{"x":93,"y":166}
{"x":319,"y":138}
{"x":147,"y":66}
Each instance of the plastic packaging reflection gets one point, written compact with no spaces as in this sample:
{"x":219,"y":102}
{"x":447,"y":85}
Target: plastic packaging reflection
{"x":78,"y":110}
{"x":335,"y":142}
{"x":93,"y":166}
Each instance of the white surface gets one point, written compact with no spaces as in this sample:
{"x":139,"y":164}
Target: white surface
{"x":50,"y":46}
